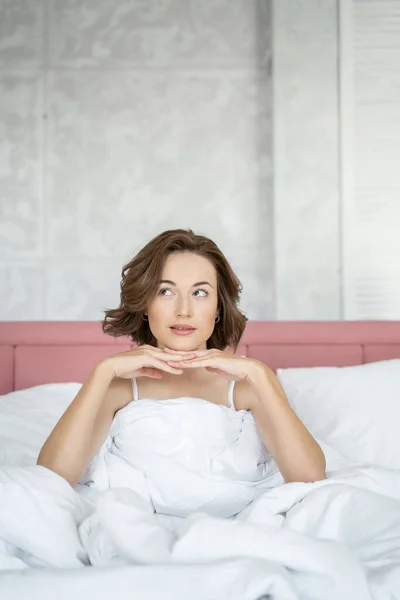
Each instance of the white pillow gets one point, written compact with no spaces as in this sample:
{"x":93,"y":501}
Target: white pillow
{"x":27,"y":418}
{"x":356,"y":410}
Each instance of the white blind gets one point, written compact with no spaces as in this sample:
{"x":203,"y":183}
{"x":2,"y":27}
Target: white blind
{"x":371,"y":150}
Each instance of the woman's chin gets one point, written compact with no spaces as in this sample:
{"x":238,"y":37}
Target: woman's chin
{"x":185,"y":343}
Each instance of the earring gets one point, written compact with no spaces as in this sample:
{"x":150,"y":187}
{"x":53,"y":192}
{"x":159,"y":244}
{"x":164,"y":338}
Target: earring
{"x":217,"y":320}
{"x":143,"y":317}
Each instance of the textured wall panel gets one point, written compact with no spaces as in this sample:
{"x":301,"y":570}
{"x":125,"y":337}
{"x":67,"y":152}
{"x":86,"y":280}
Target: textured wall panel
{"x":159,"y":151}
{"x":22,"y":292}
{"x":21,"y":216}
{"x":371,"y":152}
{"x":306,"y":185}
{"x":21,"y":33}
{"x":130,"y":117}
{"x":137,"y":33}
{"x":81,"y":289}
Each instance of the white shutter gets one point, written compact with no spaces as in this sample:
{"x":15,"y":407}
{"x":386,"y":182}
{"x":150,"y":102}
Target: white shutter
{"x":369,"y":40}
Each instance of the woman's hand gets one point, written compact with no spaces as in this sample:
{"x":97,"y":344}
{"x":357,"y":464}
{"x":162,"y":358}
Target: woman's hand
{"x":229,"y":366}
{"x":145,"y":361}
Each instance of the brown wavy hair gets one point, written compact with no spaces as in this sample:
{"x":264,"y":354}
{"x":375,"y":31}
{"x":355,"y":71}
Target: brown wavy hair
{"x":140,"y":281}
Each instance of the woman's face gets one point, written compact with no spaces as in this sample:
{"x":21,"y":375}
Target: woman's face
{"x":187,"y":295}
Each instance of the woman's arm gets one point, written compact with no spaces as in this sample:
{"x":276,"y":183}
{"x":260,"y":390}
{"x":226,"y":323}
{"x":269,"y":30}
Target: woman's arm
{"x":83,"y":427}
{"x":295,"y":451}
{"x":297,"y":454}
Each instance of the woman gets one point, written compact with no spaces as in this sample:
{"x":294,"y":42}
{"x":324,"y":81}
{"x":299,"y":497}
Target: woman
{"x":179,"y":300}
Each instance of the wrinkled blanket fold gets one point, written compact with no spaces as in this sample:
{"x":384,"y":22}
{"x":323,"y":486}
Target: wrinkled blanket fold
{"x":338,"y":538}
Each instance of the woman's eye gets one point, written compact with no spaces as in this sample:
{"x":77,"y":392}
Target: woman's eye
{"x":163,"y":292}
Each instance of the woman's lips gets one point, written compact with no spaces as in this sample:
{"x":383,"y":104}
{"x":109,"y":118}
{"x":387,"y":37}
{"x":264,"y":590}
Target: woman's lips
{"x":182,"y":331}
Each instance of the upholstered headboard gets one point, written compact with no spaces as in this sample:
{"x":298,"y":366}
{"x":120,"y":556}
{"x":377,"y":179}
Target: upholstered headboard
{"x":32,"y":353}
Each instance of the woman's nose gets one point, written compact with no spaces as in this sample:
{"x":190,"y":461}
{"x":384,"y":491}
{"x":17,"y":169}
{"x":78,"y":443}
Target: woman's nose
{"x":183,"y":306}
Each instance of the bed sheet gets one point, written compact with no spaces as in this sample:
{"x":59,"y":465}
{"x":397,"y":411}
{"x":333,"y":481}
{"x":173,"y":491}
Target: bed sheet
{"x":338,"y":538}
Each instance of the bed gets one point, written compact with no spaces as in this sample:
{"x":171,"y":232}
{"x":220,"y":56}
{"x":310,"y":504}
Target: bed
{"x":338,"y":538}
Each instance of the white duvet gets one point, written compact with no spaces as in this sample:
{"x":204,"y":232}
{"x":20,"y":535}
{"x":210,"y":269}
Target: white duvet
{"x":199,"y":514}
{"x":185,"y":455}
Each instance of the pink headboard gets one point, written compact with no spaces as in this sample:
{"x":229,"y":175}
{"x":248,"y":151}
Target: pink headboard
{"x":32,"y":353}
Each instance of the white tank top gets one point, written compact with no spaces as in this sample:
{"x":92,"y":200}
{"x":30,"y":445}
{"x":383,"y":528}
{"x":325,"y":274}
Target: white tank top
{"x":230,"y":393}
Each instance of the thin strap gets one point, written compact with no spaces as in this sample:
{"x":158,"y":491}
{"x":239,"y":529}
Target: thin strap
{"x":231,"y":403}
{"x":135,"y":389}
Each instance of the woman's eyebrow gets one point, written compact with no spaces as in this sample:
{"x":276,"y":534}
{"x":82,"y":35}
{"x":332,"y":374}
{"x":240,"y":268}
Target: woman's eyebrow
{"x":194,"y":285}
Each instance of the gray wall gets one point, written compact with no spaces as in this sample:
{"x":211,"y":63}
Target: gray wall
{"x":120,"y":119}
{"x":307,"y":202}
{"x":268,"y":125}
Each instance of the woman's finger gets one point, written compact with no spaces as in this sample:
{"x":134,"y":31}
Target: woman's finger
{"x":202,"y":362}
{"x":150,"y":372}
{"x":181,"y":356}
{"x":215,"y":370}
{"x":160,"y":364}
{"x":176,"y":358}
